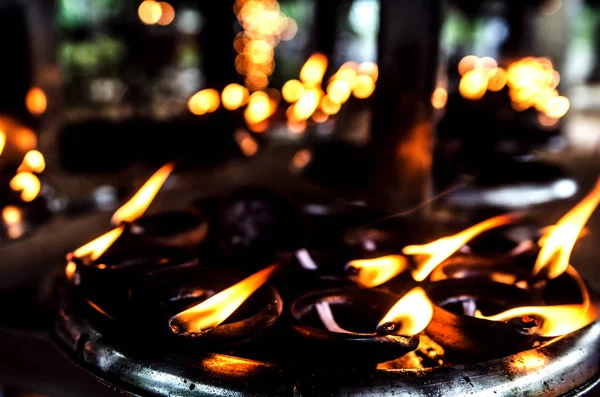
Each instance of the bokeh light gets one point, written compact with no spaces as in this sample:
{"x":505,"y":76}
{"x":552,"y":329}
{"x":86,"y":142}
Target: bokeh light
{"x":36,"y":101}
{"x":292,"y":90}
{"x":167,"y":14}
{"x":439,"y":98}
{"x":204,"y":101}
{"x":150,"y":12}
{"x":234,"y":96}
{"x":364,"y":87}
{"x":313,"y":70}
{"x":473,"y":84}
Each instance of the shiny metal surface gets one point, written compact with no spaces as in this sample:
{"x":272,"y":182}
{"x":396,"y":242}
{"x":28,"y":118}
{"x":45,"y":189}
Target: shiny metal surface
{"x":566,"y":366}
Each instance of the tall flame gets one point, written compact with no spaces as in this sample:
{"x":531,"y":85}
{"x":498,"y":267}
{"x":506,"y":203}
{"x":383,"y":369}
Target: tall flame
{"x":560,"y":240}
{"x":371,"y":273}
{"x":141,"y":200}
{"x":410,"y":315}
{"x":438,"y":251}
{"x":95,"y":248}
{"x":210,"y":313}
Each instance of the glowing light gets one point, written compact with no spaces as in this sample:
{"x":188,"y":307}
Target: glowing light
{"x":2,"y":140}
{"x":497,"y":79}
{"x":439,"y":98}
{"x":167,"y":14}
{"x":364,"y":87}
{"x":557,"y":107}
{"x":210,"y":313}
{"x":292,"y":90}
{"x":319,"y":116}
{"x":290,"y":31}
{"x":247,"y":144}
{"x":559,"y":242}
{"x":204,"y":101}
{"x":329,"y":106}
{"x":437,"y":251}
{"x":370,"y":273}
{"x":307,"y":104}
{"x":369,"y":69}
{"x":36,"y":101}
{"x":313,"y":70}
{"x":296,"y":127}
{"x":467,"y":64}
{"x":28,"y":184}
{"x":150,"y":12}
{"x":11,"y":215}
{"x":33,"y":162}
{"x":339,"y":91}
{"x":141,"y":200}
{"x":259,"y":108}
{"x":234,"y":96}
{"x":95,"y":248}
{"x":301,"y":160}
{"x":473,"y":84}
{"x":410,"y":315}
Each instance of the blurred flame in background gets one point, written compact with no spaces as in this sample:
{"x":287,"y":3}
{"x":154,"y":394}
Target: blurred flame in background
{"x":234,"y":96}
{"x":36,"y":101}
{"x":153,"y":12}
{"x":28,"y":184}
{"x":264,"y":27}
{"x":246,"y":142}
{"x":33,"y":162}
{"x":2,"y":140}
{"x":439,"y":98}
{"x":531,"y":83}
{"x":204,"y":101}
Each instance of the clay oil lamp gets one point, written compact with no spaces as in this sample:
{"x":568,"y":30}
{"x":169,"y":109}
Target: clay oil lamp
{"x":354,"y":327}
{"x":200,"y":307}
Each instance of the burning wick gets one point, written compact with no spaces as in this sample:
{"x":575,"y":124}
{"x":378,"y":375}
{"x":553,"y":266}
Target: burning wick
{"x":370,"y":273}
{"x":558,"y":243}
{"x":91,"y":251}
{"x":438,"y":251}
{"x":409,"y":316}
{"x":210,"y":313}
{"x":141,"y":200}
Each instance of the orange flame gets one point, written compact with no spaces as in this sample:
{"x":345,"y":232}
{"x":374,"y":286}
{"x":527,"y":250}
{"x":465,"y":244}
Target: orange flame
{"x":216,"y":309}
{"x":2,"y":140}
{"x":36,"y":101}
{"x":28,"y":184}
{"x":313,"y":70}
{"x":140,"y":201}
{"x":438,"y":251}
{"x":560,"y":240}
{"x":410,"y":315}
{"x":374,"y":272}
{"x":33,"y":162}
{"x":95,"y":248}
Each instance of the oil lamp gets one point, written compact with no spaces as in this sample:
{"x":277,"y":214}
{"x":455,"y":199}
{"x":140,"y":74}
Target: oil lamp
{"x":350,"y":327}
{"x":205,"y":306}
{"x":173,"y":228}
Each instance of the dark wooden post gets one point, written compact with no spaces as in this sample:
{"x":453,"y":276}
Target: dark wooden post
{"x":402,"y":127}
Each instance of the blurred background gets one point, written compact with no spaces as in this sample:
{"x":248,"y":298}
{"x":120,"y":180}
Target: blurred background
{"x":453,"y":110}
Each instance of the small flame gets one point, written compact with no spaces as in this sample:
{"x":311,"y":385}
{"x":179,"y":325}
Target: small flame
{"x":558,"y":243}
{"x":2,"y":140}
{"x":557,"y":320}
{"x":216,"y":309}
{"x":410,"y":315}
{"x":95,"y":248}
{"x":28,"y":184}
{"x":313,"y":70}
{"x":439,"y":250}
{"x":36,"y":101}
{"x":33,"y":162}
{"x":371,"y":273}
{"x":140,"y":201}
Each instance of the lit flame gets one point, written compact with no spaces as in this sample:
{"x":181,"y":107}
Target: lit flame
{"x":28,"y":184}
{"x":142,"y":199}
{"x":313,"y":70}
{"x":2,"y":141}
{"x":560,"y":240}
{"x":410,"y":315}
{"x":247,"y":144}
{"x":438,"y":251}
{"x":95,"y":248}
{"x":216,"y":309}
{"x":439,"y":98}
{"x":150,"y":12}
{"x":234,"y":96}
{"x":36,"y":101}
{"x":292,"y":90}
{"x":374,"y":272}
{"x":33,"y":162}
